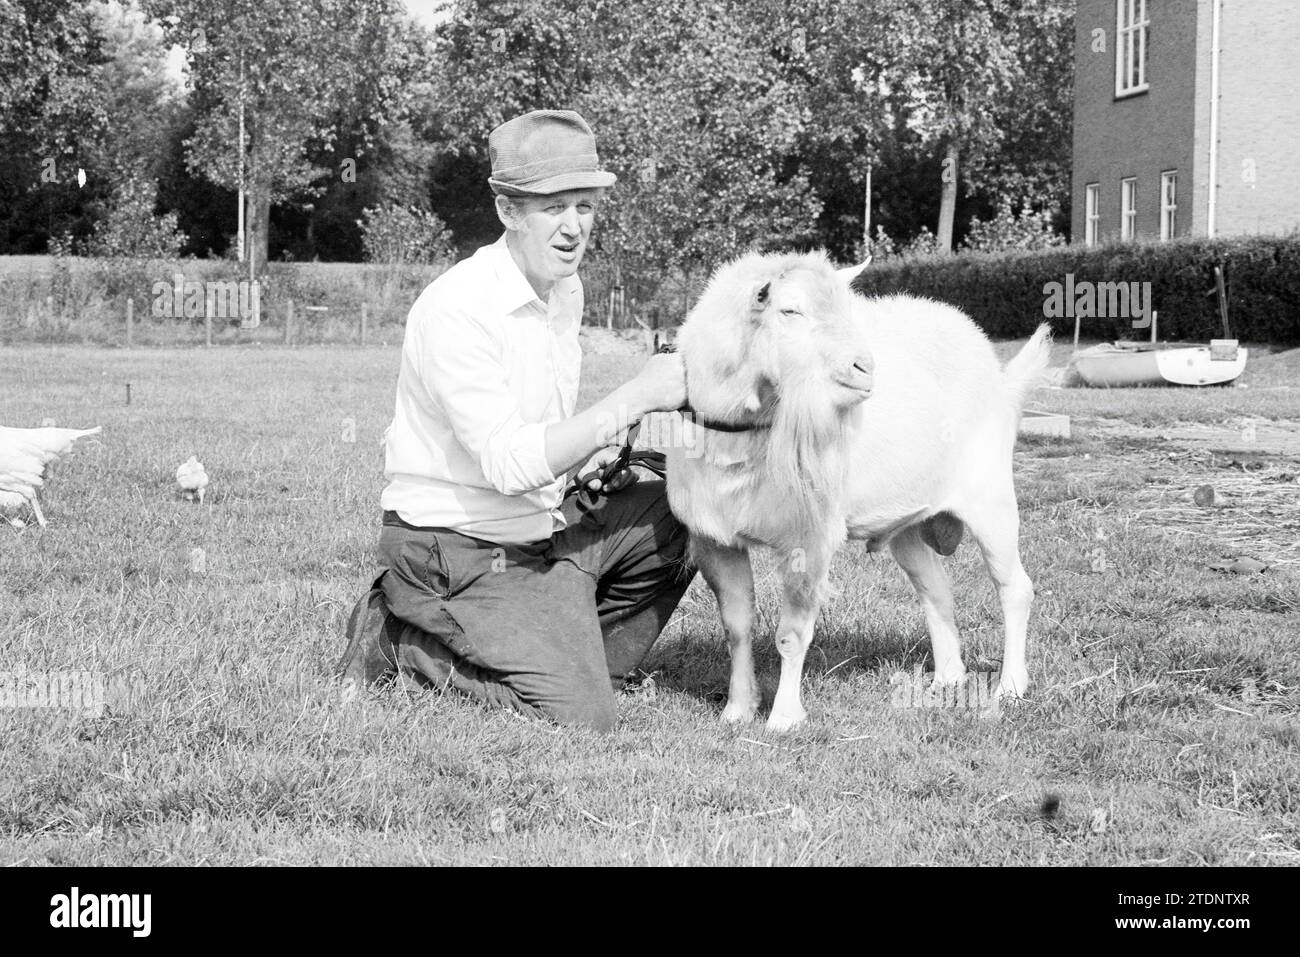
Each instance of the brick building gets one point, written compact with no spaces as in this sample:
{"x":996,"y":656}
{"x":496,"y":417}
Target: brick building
{"x":1159,"y":117}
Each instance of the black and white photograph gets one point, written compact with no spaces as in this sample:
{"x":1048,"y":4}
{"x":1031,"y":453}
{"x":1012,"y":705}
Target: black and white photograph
{"x":539,"y":433}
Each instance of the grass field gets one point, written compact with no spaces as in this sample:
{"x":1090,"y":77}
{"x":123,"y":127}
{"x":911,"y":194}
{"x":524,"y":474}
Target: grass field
{"x":1163,"y":717}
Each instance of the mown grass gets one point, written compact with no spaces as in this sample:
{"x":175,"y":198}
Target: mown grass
{"x":1163,"y":715}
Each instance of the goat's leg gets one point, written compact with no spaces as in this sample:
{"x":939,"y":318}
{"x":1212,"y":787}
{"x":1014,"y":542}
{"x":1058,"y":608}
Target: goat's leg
{"x":805,"y":581}
{"x":995,"y":526}
{"x":730,"y":575}
{"x":925,"y":570}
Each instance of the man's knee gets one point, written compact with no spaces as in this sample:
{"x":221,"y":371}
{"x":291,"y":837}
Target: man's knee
{"x":597,"y":712}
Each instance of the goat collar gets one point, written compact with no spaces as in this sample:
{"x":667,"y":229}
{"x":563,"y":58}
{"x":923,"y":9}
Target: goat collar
{"x":716,"y":426}
{"x":705,"y":421}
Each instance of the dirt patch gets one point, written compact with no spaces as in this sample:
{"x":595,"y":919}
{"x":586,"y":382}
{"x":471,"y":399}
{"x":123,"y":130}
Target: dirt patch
{"x":1250,"y":438}
{"x":1240,"y":488}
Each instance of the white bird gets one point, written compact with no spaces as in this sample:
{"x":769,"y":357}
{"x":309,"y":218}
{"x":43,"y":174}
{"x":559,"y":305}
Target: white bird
{"x":24,"y":453}
{"x":192,"y":479}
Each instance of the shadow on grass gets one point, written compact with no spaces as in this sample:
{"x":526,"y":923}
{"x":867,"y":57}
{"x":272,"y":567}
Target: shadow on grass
{"x":700,"y":667}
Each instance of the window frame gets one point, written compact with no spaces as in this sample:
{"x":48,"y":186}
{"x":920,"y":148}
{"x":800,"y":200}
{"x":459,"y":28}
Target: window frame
{"x":1168,"y":208}
{"x":1128,"y":209}
{"x":1091,"y":214}
{"x":1131,"y":47}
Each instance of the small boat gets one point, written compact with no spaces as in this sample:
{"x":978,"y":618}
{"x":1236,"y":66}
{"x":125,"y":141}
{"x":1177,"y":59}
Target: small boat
{"x":1124,"y":364}
{"x":1121,"y":364}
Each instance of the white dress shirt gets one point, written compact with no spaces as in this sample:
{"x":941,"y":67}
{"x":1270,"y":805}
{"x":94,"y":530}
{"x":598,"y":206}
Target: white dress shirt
{"x":486,"y":366}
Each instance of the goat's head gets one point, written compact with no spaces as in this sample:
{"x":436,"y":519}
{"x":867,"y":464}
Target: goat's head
{"x":776,"y":335}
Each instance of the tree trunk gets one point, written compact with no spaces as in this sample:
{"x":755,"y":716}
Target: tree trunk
{"x":259,"y":214}
{"x":948,"y":200}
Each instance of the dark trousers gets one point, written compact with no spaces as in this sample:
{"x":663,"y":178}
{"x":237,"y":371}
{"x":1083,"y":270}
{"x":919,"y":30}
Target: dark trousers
{"x":549,"y":628}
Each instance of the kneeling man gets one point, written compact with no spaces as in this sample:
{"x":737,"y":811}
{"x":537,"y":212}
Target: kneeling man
{"x":496,"y":584}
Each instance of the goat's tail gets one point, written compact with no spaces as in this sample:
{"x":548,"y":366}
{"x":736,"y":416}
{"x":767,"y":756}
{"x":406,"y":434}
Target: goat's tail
{"x":1027,"y":366}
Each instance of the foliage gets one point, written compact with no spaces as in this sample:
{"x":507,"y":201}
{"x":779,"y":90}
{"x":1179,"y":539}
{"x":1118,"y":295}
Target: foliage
{"x":130,"y":227}
{"x":1004,"y":292}
{"x":690,"y":108}
{"x":1029,"y":229}
{"x":296,"y":69}
{"x":137,"y":90}
{"x":52,"y":120}
{"x":962,"y":70}
{"x":404,"y":234}
{"x":732,"y":125}
{"x":885,"y":249}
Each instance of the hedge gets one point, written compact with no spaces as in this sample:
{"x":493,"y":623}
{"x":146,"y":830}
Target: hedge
{"x":1004,"y":292}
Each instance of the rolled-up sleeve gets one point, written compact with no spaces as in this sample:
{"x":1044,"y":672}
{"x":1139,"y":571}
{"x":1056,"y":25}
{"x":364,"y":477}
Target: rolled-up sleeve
{"x":462,"y":367}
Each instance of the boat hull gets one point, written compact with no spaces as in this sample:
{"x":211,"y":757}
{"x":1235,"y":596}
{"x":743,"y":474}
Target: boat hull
{"x":1184,"y":365}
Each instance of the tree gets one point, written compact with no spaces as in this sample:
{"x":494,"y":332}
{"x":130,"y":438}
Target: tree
{"x":688,"y":103}
{"x":131,"y":229}
{"x":292,"y":70}
{"x":979,"y":74}
{"x":137,"y":91}
{"x":1033,"y":161}
{"x":52,"y":119}
{"x":398,"y":235}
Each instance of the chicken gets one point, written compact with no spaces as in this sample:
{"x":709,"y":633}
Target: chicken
{"x":192,"y":479}
{"x":24,"y":453}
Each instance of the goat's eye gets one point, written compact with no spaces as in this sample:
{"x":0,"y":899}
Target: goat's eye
{"x":791,"y":312}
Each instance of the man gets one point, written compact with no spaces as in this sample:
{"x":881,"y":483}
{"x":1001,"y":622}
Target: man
{"x":495,"y":583}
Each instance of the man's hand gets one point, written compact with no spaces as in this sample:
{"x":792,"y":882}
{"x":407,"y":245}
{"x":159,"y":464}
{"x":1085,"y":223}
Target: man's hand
{"x":596,"y":464}
{"x":661,"y":383}
{"x":659,"y":387}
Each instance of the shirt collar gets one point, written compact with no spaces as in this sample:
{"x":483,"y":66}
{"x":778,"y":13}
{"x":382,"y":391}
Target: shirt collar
{"x":513,"y":290}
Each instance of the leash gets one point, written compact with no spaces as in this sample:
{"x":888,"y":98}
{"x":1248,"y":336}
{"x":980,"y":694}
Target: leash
{"x":653,"y":461}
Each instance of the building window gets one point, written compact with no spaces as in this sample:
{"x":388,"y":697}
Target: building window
{"x":1168,"y":204}
{"x":1092,"y":213}
{"x":1130,"y":46}
{"x":1128,"y":189}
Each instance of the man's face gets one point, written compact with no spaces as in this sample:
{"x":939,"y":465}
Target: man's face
{"x":549,"y":234}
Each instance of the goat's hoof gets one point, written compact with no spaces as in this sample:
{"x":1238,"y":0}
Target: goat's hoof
{"x":739,"y":713}
{"x":786,"y":720}
{"x":950,"y":678}
{"x":1012,"y":684}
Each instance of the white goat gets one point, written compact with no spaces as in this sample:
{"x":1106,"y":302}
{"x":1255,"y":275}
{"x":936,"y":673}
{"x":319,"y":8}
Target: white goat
{"x":780,"y":342}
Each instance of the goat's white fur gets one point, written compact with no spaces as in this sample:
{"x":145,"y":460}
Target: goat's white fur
{"x":935,"y":436}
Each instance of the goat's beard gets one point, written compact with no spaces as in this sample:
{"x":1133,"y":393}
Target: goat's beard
{"x":807,"y":451}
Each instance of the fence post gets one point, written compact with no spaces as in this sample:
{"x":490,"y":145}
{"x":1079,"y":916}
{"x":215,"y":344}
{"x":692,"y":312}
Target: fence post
{"x":207,"y":325}
{"x":363,"y":323}
{"x":288,"y":324}
{"x":130,"y":310}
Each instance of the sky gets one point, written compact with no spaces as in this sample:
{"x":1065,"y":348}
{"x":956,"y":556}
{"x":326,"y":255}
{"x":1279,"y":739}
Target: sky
{"x":424,"y":11}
